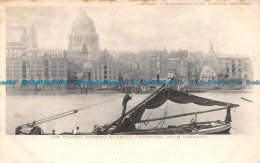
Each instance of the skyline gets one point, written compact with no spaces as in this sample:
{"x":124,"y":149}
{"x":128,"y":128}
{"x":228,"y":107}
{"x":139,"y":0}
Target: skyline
{"x":155,"y":28}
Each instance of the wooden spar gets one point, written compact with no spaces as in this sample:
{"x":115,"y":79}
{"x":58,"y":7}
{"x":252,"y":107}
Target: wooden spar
{"x":181,"y":115}
{"x":34,"y":123}
{"x":134,"y":108}
{"x":246,"y":99}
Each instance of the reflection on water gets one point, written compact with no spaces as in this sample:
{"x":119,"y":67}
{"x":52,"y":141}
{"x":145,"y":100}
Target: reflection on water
{"x":23,"y":109}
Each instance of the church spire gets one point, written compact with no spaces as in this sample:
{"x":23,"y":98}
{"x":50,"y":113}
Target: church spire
{"x":33,"y":38}
{"x":211,"y":50}
{"x":24,"y":37}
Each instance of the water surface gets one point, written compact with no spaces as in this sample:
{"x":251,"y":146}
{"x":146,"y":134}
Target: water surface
{"x":21,"y":109}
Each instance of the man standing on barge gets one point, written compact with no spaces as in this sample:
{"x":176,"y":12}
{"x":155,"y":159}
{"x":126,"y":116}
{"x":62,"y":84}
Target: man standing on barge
{"x":124,"y":103}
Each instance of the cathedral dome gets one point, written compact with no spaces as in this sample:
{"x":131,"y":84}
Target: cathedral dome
{"x":83,"y":24}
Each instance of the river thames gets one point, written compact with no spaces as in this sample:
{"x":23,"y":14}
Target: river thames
{"x":21,"y":109}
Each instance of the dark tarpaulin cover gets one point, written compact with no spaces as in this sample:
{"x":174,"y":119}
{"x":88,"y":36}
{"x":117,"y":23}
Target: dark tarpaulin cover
{"x":157,"y":100}
{"x":182,"y":98}
{"x":175,"y":96}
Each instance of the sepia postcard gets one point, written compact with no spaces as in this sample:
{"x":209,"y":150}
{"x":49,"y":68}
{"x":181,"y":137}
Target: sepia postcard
{"x":130,"y":81}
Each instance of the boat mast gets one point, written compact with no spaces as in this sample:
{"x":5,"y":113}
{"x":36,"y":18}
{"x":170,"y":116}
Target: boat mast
{"x":106,"y":127}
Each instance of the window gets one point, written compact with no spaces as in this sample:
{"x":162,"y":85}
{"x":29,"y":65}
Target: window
{"x":246,"y":76}
{"x":227,"y":70}
{"x":54,"y":72}
{"x":245,"y":68}
{"x":62,"y":72}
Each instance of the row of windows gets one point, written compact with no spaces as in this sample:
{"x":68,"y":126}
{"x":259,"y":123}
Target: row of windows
{"x":105,"y":68}
{"x":33,"y":69}
{"x":60,"y":62}
{"x":233,"y":70}
{"x":38,"y":72}
{"x":47,"y":74}
{"x":41,"y":62}
{"x":79,"y":40}
{"x":232,"y":76}
{"x":39,"y":66}
{"x":10,"y":67}
{"x":221,"y":61}
{"x":105,"y":72}
{"x":15,"y":75}
{"x":61,"y":66}
{"x":105,"y":78}
{"x":103,"y":64}
{"x":11,"y":63}
{"x":14,"y":50}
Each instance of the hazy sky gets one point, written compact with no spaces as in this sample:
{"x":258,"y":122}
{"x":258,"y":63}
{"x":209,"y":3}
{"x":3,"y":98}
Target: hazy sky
{"x":135,"y":28}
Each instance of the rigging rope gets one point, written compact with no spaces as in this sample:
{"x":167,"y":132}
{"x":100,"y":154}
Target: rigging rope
{"x":146,"y":117}
{"x":182,"y":110}
{"x":32,"y":124}
{"x":100,"y":103}
{"x":164,"y":115}
{"x":166,"y":110}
